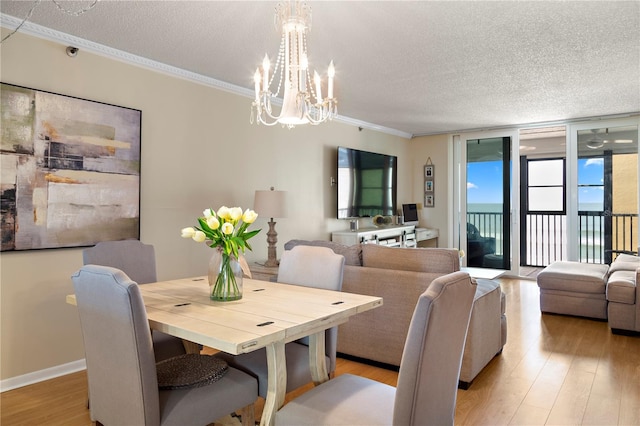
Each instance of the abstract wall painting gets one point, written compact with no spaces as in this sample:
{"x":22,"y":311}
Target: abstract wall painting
{"x":69,"y":170}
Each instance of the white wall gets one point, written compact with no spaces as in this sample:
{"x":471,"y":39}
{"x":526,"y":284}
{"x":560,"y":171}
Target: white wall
{"x":440,"y":216}
{"x":198,"y":151}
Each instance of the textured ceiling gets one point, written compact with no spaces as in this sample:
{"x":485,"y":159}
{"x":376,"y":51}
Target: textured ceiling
{"x":419,"y":67}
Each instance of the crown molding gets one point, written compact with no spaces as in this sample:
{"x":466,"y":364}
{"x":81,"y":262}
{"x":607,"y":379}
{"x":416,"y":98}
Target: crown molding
{"x":566,"y":122}
{"x":39,"y":31}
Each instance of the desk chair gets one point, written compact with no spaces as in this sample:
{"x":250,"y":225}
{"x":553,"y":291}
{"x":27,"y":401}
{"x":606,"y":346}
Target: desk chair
{"x":429,"y":370}
{"x":121,"y":368}
{"x":308,"y":266}
{"x":138,"y":261}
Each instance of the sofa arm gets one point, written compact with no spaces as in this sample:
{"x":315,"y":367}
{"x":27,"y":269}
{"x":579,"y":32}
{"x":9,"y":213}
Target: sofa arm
{"x":380,"y":334}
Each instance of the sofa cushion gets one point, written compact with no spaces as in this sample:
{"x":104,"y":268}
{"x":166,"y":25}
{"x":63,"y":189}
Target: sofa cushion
{"x":623,"y":257}
{"x":621,"y":287}
{"x":352,"y":254}
{"x":574,"y":277}
{"x":432,"y":260}
{"x":625,"y":262}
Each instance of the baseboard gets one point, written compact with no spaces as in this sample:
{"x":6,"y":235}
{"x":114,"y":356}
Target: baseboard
{"x":369,"y":362}
{"x":42,"y":375}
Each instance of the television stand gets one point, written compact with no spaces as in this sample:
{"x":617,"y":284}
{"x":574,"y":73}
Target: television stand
{"x":391,"y":236}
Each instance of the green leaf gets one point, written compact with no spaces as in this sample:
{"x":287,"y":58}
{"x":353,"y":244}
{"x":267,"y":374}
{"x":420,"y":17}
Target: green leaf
{"x":251,"y":234}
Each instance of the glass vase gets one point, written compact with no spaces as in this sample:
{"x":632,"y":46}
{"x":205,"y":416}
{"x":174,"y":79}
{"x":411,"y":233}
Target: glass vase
{"x":225,"y":277}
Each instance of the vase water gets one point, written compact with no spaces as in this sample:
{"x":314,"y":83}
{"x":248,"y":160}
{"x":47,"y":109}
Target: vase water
{"x":225,"y":277}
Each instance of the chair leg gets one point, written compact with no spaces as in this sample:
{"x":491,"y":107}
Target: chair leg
{"x":248,"y":415}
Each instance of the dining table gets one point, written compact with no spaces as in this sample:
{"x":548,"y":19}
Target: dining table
{"x":269,"y":315}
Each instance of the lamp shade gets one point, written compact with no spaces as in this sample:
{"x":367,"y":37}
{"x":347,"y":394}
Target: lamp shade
{"x":270,"y":203}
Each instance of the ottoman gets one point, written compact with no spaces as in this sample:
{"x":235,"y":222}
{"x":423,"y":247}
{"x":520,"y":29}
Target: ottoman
{"x":574,"y":288}
{"x":487,"y":332}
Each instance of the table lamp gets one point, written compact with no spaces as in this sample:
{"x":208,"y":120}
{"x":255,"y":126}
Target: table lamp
{"x":270,"y":204}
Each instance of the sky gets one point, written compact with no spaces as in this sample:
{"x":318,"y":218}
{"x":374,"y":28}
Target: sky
{"x":484,"y":181}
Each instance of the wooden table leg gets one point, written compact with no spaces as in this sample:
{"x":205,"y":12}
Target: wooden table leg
{"x":317,"y":362}
{"x":190,"y":347}
{"x":277,"y":382}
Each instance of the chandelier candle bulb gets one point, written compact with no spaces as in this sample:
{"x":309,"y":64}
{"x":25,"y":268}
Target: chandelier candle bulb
{"x":332,"y":73}
{"x":256,"y":80}
{"x":265,"y":66}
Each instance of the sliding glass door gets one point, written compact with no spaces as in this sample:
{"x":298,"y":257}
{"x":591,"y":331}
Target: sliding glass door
{"x":543,"y":196}
{"x":572,"y":194}
{"x":604,"y":191}
{"x":485,"y":217}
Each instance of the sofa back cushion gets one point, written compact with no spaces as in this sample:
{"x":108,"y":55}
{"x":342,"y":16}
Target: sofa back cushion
{"x":433,"y":260}
{"x":352,"y":254}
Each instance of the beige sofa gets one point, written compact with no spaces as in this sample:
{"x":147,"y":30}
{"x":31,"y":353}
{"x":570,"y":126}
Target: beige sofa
{"x":399,"y":276}
{"x":594,"y":291}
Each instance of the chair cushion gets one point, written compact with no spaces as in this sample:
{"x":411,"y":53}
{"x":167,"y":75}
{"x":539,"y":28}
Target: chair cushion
{"x":255,"y":364}
{"x":345,"y":400}
{"x":190,"y":370}
{"x":199,"y":405}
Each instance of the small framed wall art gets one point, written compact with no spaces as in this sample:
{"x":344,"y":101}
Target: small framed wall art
{"x":428,"y":171}
{"x":429,"y":178}
{"x":428,"y":200}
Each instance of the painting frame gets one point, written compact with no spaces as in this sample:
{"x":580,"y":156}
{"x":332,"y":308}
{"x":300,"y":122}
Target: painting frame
{"x":429,"y":200}
{"x":429,"y":171}
{"x":70,"y":170}
{"x":429,"y":183}
{"x":428,"y":186}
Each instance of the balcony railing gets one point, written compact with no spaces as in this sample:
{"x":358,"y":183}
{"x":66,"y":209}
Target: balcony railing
{"x":603,"y":235}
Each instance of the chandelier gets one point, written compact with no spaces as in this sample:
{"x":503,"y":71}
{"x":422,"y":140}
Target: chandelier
{"x":302,"y":101}
{"x":60,"y":7}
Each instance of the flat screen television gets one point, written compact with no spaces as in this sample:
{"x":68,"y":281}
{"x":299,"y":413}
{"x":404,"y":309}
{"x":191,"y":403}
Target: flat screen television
{"x":367,"y":183}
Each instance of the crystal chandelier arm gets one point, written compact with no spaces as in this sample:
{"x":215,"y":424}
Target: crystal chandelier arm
{"x":75,"y":12}
{"x":26,"y":18}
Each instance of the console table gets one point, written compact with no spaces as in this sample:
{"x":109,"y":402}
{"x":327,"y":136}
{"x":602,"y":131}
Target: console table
{"x":427,"y":237}
{"x":392,"y":236}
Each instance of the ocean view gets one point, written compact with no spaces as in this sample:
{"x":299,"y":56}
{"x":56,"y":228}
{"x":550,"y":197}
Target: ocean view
{"x":543,"y":246}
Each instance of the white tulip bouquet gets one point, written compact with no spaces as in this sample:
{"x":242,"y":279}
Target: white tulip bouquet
{"x":226,"y":231}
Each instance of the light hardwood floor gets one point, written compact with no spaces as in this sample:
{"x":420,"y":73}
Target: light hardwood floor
{"x":554,"y":370}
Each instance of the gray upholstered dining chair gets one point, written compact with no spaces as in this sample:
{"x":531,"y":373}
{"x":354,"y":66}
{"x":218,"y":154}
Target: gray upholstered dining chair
{"x":429,"y":370}
{"x":138,"y":261}
{"x":122,"y":373}
{"x":307,"y":266}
